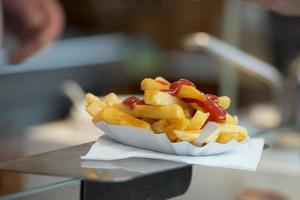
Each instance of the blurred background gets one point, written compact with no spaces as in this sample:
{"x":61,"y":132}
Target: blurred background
{"x":111,"y":45}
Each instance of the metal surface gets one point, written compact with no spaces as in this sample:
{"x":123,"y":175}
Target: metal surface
{"x":67,"y":163}
{"x":240,"y":60}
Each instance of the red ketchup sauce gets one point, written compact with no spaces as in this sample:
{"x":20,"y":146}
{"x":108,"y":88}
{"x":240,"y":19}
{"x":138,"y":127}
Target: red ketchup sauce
{"x":174,"y":87}
{"x":132,"y":101}
{"x":217,"y":113}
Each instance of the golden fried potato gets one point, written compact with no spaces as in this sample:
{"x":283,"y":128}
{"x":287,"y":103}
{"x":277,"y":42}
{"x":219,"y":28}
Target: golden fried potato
{"x":190,"y":92}
{"x":166,"y":113}
{"x":189,"y":136}
{"x":94,"y":104}
{"x":160,"y":126}
{"x":234,"y":129}
{"x":162,"y":80}
{"x":111,"y":99}
{"x":213,"y":138}
{"x":179,"y":123}
{"x":114,"y":116}
{"x":158,"y":112}
{"x":123,"y":108}
{"x":151,"y":84}
{"x":224,"y":102}
{"x":94,"y":108}
{"x":153,"y":112}
{"x":231,"y":119}
{"x":170,"y":133}
{"x":155,"y":97}
{"x":198,"y":120}
{"x":226,"y":137}
{"x":232,"y":132}
{"x":90,"y":98}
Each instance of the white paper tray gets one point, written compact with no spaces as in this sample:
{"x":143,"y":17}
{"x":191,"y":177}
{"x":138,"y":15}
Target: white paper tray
{"x":145,"y":139}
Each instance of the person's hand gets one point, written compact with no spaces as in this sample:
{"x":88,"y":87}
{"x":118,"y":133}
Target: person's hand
{"x":36,"y":23}
{"x":284,"y":7}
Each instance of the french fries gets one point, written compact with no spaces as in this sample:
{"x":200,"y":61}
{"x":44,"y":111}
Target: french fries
{"x":151,"y":84}
{"x":153,"y":112}
{"x":94,"y":104}
{"x":162,"y":80}
{"x":232,"y":132}
{"x":224,"y":102}
{"x":90,"y":98}
{"x":179,"y":123}
{"x":189,"y":136}
{"x":175,"y":112}
{"x":190,"y":92}
{"x":231,"y":119}
{"x":111,"y":99}
{"x":198,"y":120}
{"x":156,"y":97}
{"x":93,"y":109}
{"x":114,"y":116}
{"x":160,"y":126}
{"x":170,"y":133}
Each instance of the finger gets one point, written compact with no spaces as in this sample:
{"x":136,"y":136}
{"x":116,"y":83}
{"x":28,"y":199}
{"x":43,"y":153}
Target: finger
{"x":45,"y":35}
{"x":23,"y":51}
{"x":55,"y":22}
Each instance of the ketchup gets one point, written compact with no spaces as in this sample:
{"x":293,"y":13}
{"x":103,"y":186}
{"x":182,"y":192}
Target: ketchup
{"x":212,"y":97}
{"x":174,"y":87}
{"x":132,"y":101}
{"x":216,"y":113}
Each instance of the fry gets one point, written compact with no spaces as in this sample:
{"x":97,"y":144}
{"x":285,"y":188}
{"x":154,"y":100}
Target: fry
{"x":226,"y":137}
{"x":153,"y":112}
{"x":170,"y":133}
{"x":189,"y":136}
{"x":213,"y":138}
{"x":179,"y":123}
{"x":160,"y":126}
{"x":94,"y":108}
{"x":90,"y":98}
{"x":114,"y":116}
{"x":94,"y":104}
{"x":224,"y":102}
{"x":111,"y":99}
{"x":190,"y":92}
{"x":162,"y":80}
{"x":231,"y":119}
{"x":232,"y":132}
{"x":151,"y":84}
{"x":155,"y":97}
{"x":198,"y":120}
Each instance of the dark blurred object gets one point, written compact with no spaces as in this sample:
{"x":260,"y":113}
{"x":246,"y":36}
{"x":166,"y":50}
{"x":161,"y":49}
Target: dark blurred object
{"x":285,"y":34}
{"x":164,"y":21}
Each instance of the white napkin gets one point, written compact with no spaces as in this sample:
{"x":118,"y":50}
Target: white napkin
{"x":245,"y":157}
